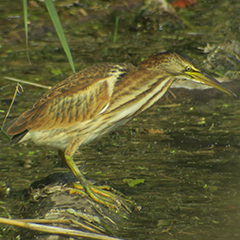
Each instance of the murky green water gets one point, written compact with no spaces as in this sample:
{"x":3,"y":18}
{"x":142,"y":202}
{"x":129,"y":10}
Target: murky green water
{"x":191,"y":172}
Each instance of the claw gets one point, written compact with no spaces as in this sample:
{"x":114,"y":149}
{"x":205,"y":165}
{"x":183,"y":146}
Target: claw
{"x":102,"y":195}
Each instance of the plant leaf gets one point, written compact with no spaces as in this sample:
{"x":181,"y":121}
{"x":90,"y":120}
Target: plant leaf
{"x":25,"y":14}
{"x":58,"y":26}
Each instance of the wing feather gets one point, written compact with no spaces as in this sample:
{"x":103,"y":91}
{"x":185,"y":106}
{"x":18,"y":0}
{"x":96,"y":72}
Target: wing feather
{"x":79,"y":98}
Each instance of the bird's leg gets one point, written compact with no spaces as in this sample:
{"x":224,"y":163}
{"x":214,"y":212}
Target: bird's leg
{"x":95,"y":192}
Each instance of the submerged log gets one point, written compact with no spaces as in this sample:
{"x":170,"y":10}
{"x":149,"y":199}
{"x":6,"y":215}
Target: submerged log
{"x":51,"y":201}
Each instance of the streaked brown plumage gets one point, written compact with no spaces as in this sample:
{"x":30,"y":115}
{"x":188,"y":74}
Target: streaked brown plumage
{"x":98,"y":99}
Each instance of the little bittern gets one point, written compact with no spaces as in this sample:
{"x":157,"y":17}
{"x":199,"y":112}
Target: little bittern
{"x":98,"y":99}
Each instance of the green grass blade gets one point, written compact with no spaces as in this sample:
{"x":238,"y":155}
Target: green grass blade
{"x":115,"y":29}
{"x":58,"y":26}
{"x":25,"y":14}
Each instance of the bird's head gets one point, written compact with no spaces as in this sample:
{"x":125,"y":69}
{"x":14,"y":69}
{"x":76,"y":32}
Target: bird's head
{"x":181,"y":67}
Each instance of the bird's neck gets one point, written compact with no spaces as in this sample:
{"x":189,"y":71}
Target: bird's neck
{"x":139,"y":90}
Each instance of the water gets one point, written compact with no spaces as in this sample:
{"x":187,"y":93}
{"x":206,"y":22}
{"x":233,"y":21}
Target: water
{"x":191,"y":171}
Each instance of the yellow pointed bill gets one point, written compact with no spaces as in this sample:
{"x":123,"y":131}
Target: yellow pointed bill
{"x":206,"y":79}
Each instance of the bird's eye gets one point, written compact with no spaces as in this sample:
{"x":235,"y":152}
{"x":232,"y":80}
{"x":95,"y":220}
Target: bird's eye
{"x":188,"y":69}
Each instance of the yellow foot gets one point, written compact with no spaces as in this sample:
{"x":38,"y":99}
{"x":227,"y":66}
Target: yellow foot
{"x":102,"y":195}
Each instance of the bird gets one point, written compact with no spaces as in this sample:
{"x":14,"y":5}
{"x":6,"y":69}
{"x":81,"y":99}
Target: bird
{"x":98,"y":99}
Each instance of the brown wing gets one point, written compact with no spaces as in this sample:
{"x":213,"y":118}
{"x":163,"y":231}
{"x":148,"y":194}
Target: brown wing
{"x":77,"y":99}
